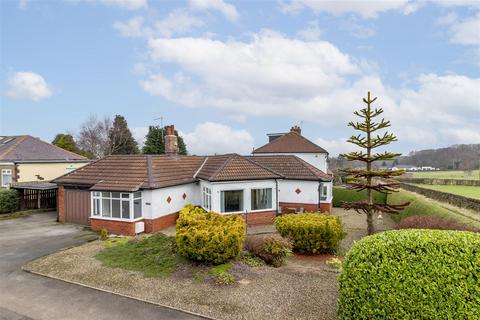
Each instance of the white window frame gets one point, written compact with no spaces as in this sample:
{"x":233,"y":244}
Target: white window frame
{"x":97,"y":198}
{"x":243,"y":201}
{"x":207,"y":198}
{"x":7,"y":172}
{"x":265,"y":209}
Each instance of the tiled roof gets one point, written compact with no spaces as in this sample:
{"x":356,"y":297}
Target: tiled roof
{"x":28,"y":148}
{"x":133,"y":172}
{"x":291,"y":142}
{"x":291,"y":167}
{"x":232,"y":167}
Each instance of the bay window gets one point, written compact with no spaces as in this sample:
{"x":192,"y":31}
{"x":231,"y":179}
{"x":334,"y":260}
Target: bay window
{"x":6,"y":177}
{"x":231,"y":201}
{"x":261,"y":199}
{"x":117,"y":205}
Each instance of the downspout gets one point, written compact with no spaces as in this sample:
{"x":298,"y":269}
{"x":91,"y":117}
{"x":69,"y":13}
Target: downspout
{"x":276,"y":195}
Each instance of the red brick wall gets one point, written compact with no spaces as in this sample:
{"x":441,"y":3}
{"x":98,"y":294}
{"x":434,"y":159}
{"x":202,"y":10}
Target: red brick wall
{"x":326,"y":207}
{"x":61,"y":204}
{"x":310,"y":207}
{"x":115,"y":227}
{"x":259,"y":218}
{"x":154,"y":225}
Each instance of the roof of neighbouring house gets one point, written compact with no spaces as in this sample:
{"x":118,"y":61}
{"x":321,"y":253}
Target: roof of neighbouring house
{"x":291,"y":142}
{"x":134,"y":172}
{"x":28,"y":148}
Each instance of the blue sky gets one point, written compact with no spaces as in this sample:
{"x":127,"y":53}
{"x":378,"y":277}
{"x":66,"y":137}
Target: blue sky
{"x":226,"y":73}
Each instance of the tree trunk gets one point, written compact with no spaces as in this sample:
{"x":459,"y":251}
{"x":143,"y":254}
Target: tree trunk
{"x":370,"y":227}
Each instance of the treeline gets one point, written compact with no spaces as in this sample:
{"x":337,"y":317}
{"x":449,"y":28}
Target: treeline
{"x":456,"y":157}
{"x":98,"y":138}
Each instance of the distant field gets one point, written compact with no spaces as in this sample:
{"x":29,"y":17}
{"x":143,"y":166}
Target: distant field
{"x":474,"y":175}
{"x":466,"y":191}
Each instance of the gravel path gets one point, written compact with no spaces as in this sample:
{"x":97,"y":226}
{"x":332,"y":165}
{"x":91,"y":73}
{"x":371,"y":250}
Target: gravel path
{"x":289,"y":292}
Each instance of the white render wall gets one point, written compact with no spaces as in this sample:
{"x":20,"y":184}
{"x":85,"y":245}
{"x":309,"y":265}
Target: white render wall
{"x":308,"y":194}
{"x":246,"y":186}
{"x":159,"y":206}
{"x":318,"y":160}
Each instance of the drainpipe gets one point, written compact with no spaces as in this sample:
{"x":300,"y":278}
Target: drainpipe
{"x":276,"y":195}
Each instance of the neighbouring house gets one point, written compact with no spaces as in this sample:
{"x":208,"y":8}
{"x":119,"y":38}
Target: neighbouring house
{"x":27,"y":159}
{"x":129,"y":194}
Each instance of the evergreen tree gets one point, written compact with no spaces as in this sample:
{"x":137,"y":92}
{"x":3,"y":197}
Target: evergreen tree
{"x":66,"y":142}
{"x":369,"y":179}
{"x":155,"y":143}
{"x":120,"y":138}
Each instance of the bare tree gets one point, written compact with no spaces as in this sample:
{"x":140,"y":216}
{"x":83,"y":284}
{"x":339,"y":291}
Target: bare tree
{"x":93,"y":137}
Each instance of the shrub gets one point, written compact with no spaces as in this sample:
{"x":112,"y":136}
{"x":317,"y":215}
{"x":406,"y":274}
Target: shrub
{"x":209,"y":236}
{"x":103,"y":234}
{"x":334,"y":263}
{"x":433,"y":222}
{"x":311,"y":232}
{"x":221,"y":274}
{"x":272,"y":249}
{"x":9,"y":200}
{"x":342,"y":194}
{"x":412,"y":274}
{"x":251,"y":260}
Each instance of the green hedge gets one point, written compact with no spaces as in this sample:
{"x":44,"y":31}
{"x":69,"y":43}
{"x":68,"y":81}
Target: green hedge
{"x":9,"y":200}
{"x":412,"y":274}
{"x":311,"y":232}
{"x":342,"y":194}
{"x":418,"y":206}
{"x":209,"y":236}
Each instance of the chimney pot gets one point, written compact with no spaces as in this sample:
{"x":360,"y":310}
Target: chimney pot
{"x":296,"y":129}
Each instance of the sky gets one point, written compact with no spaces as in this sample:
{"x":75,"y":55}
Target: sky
{"x":227,"y":73}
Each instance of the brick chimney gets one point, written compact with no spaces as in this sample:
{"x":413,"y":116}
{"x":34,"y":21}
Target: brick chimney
{"x":296,"y":129}
{"x":171,"y":143}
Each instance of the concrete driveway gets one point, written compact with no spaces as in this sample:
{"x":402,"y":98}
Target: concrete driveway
{"x":27,"y":296}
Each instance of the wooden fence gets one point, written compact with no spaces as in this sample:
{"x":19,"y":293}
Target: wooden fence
{"x":37,"y":199}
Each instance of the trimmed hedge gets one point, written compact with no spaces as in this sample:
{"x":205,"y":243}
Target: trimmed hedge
{"x":209,"y":236}
{"x":342,"y":194}
{"x":9,"y":200}
{"x":412,"y":274}
{"x":433,"y":222}
{"x":311,"y":232}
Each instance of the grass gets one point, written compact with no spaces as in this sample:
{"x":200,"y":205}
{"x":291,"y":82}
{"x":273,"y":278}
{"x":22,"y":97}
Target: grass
{"x":341,"y":194}
{"x":221,"y":268}
{"x":466,"y":191}
{"x":453,"y":174}
{"x":420,"y":205}
{"x":154,"y":256}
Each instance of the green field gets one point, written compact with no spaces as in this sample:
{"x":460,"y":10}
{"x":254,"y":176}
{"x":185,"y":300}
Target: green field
{"x":453,"y":174}
{"x":466,"y":191}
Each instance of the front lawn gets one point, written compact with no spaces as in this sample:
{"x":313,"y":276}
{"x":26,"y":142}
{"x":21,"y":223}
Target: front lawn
{"x":153,"y":255}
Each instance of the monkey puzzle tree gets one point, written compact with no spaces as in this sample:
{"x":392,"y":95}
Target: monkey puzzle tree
{"x":369,"y":179}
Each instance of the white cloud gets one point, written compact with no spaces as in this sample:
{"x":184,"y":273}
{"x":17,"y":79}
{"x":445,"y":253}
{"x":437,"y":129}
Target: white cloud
{"x":28,"y":85}
{"x":336,"y":146}
{"x":209,"y":138}
{"x":125,"y":4}
{"x":467,"y":32}
{"x":311,"y":32}
{"x":228,"y":10}
{"x":364,"y":9}
{"x":357,"y":29}
{"x":447,"y":19}
{"x":139,"y":134}
{"x":133,"y":28}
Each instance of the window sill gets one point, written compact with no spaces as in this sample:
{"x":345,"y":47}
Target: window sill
{"x":116,"y":219}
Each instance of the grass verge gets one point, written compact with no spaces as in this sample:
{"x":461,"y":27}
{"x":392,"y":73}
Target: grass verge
{"x":466,"y":191}
{"x":154,"y":255}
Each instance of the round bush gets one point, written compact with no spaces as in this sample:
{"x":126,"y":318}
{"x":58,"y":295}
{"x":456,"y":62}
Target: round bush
{"x":412,"y":274}
{"x":8,"y":200}
{"x":209,"y":236}
{"x":311,"y":232}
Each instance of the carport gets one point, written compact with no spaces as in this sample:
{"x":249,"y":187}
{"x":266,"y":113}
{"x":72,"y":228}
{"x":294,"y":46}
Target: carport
{"x":36,"y":195}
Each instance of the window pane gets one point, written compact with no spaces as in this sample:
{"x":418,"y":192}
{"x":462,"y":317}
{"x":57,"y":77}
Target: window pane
{"x":116,"y":195}
{"x":105,"y":207}
{"x":106,"y":194}
{"x":6,"y":179}
{"x":96,"y":207}
{"x":232,"y":201}
{"x":125,"y":209}
{"x":115,"y":208}
{"x":125,"y":195}
{"x":137,"y":195}
{"x":261,"y":199}
{"x":137,"y":208}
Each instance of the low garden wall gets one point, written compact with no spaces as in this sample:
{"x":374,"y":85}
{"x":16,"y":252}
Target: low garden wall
{"x":457,"y":182}
{"x":456,"y":200}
